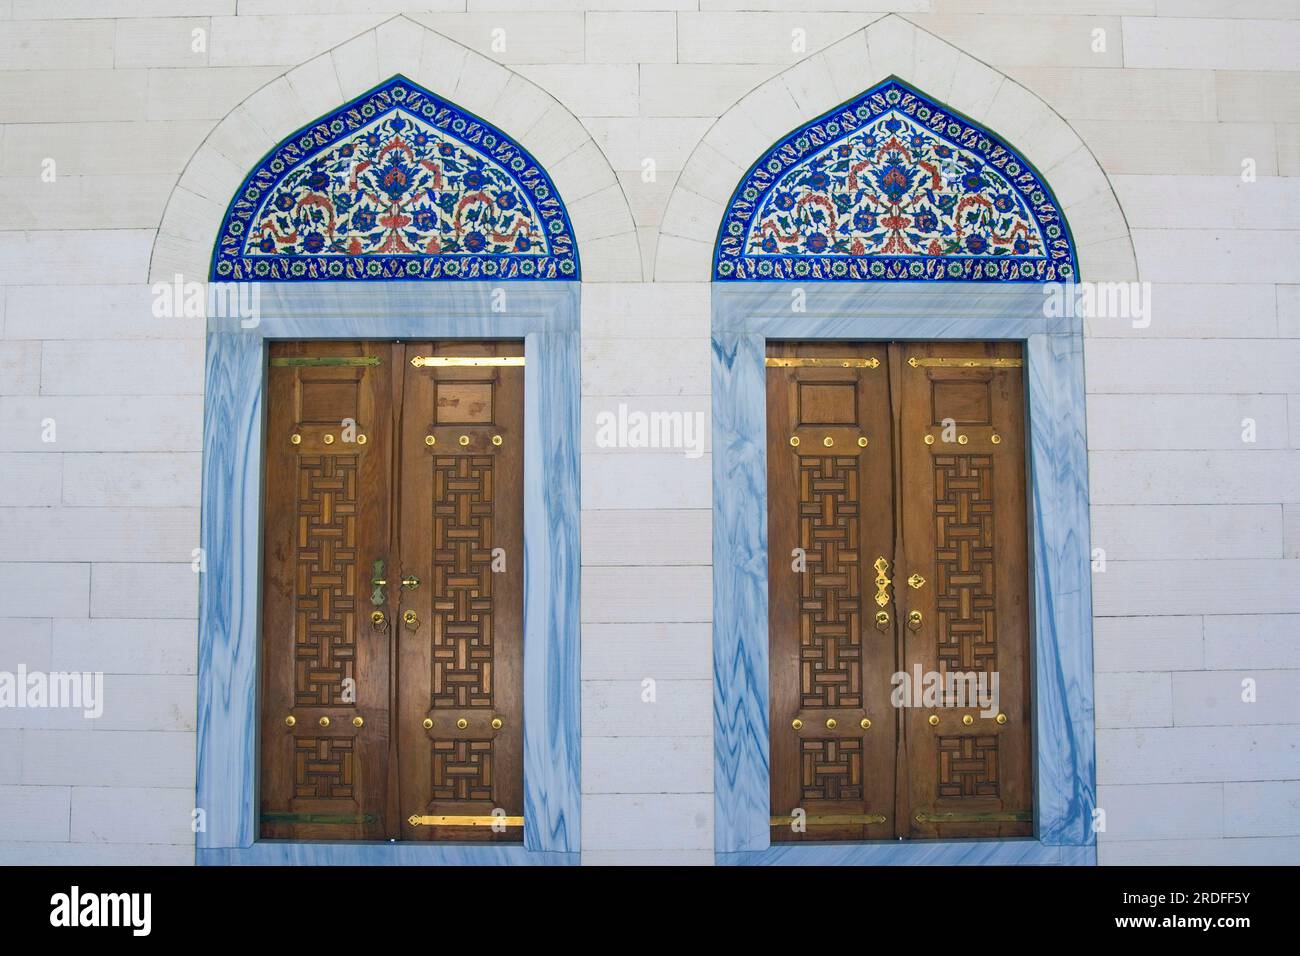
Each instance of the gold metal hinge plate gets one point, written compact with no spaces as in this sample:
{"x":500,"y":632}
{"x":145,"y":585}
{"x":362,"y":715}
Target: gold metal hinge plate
{"x":822,"y":362}
{"x":465,"y":361}
{"x":447,"y":820}
{"x":991,"y":816}
{"x":327,"y":361}
{"x":965,"y":362}
{"x":832,"y":819}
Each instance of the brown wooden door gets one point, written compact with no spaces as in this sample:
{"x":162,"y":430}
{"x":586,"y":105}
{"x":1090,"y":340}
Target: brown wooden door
{"x":460,"y":702}
{"x":370,"y":459}
{"x":917,"y":568}
{"x":964,"y":531}
{"x":829,"y":523}
{"x":325,"y":668}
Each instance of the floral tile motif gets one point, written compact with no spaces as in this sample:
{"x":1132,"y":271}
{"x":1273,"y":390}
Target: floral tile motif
{"x":397,"y":184}
{"x":893,"y":186}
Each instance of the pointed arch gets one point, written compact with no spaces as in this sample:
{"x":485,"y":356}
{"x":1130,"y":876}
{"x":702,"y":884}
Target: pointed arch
{"x":893,"y":186}
{"x":512,"y":107}
{"x":396,"y":184}
{"x":974,"y":93}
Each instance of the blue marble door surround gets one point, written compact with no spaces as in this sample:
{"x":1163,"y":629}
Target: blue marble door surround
{"x":744,"y":316}
{"x":546,"y":316}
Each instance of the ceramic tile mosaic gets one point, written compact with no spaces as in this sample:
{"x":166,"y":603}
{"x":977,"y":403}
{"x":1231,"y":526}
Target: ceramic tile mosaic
{"x":397,"y":184}
{"x":892,"y":186}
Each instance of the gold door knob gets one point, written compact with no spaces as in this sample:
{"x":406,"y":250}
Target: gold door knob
{"x":797,"y":724}
{"x":934,"y":720}
{"x":427,"y":723}
{"x":496,"y":723}
{"x":378,"y":621}
{"x":324,"y":721}
{"x":882,"y":620}
{"x":866,"y":723}
{"x":462,"y":723}
{"x":290,"y":720}
{"x":358,"y":721}
{"x":914,"y":620}
{"x":830,"y":723}
{"x":411,"y":620}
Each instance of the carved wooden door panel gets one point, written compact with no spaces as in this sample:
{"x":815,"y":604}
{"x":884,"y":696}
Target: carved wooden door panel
{"x":962,"y":447}
{"x":830,"y":524}
{"x":460,"y":699}
{"x":325,"y":668}
{"x":898,"y":471}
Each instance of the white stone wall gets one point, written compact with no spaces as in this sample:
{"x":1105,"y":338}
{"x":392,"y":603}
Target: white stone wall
{"x":1201,"y":530}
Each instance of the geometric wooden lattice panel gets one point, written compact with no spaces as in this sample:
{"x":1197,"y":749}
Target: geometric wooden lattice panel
{"x":323,"y":768}
{"x":830,"y":600}
{"x":463,"y":501}
{"x":462,"y":770}
{"x":968,"y":766}
{"x":831,"y":769}
{"x":326,"y":586}
{"x":964,"y":563}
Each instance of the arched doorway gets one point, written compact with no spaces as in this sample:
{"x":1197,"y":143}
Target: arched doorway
{"x":880,"y":274}
{"x":389,"y":444}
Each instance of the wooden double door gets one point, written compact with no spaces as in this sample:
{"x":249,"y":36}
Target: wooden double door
{"x":392,"y":622}
{"x":899,"y":587}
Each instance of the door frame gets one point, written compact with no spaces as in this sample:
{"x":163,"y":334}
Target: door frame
{"x":744,"y":317}
{"x":545,"y":315}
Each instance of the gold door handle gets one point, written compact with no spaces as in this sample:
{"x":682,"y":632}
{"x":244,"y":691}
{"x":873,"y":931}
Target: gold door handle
{"x":882,"y":581}
{"x":378,"y":621}
{"x":411,"y":620}
{"x":410,"y":582}
{"x":914,"y":621}
{"x":882,"y":620}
